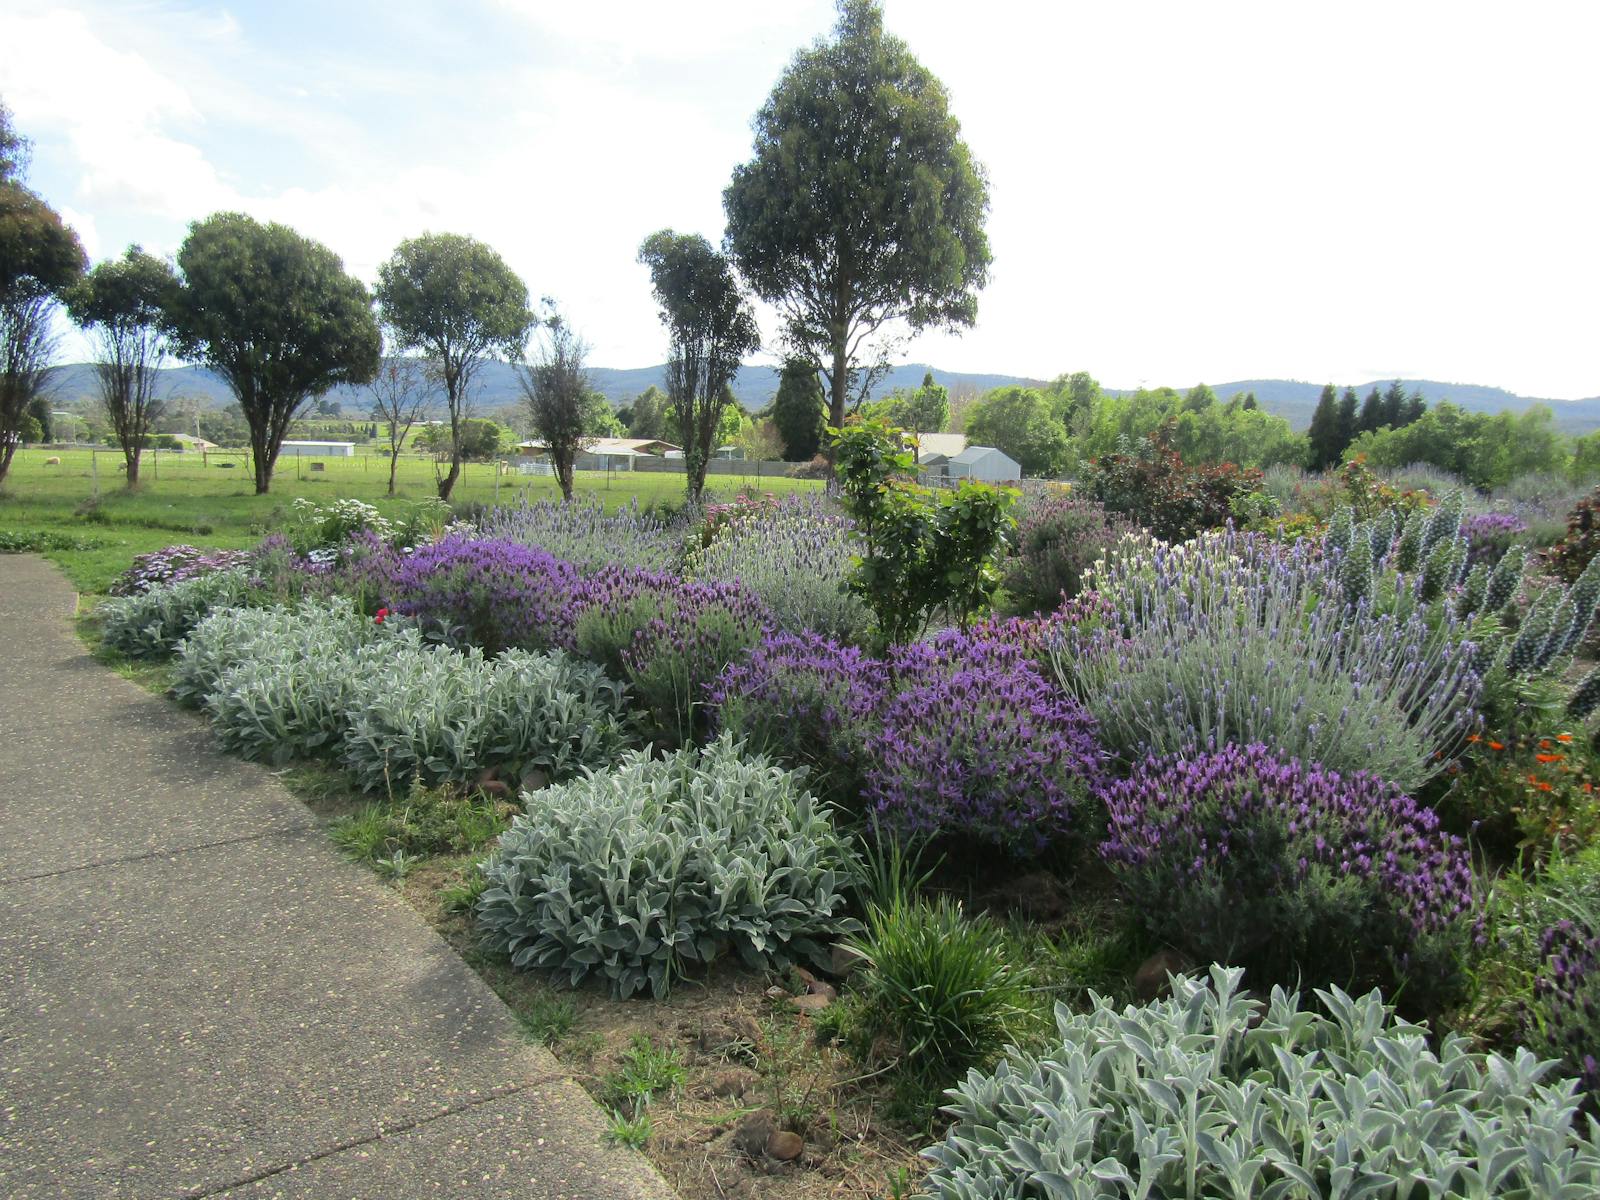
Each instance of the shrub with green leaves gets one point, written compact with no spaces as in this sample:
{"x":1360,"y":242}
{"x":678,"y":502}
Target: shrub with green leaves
{"x":443,"y":715}
{"x":639,"y":874}
{"x":1215,"y":1094}
{"x":152,"y":624}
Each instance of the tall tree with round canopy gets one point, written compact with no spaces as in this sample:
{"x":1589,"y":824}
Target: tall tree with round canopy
{"x":274,"y":314}
{"x":861,"y":207}
{"x":454,"y":299}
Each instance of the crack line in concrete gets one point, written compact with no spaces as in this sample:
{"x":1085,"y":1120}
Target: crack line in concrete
{"x":391,"y":1131}
{"x":163,"y":853}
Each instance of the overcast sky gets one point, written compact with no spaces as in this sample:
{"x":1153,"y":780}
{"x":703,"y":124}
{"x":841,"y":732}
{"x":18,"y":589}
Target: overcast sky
{"x":1181,"y":192}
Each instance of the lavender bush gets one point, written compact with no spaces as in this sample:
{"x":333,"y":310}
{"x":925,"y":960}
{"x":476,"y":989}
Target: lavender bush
{"x":1490,"y":535}
{"x":668,"y":639}
{"x":486,"y":592}
{"x":1233,"y":638}
{"x":807,"y":701}
{"x":1563,"y":1019}
{"x":961,"y":736}
{"x":795,"y":555}
{"x":1059,"y":537}
{"x":974,"y":742}
{"x":1245,"y":857}
{"x":172,"y":564}
{"x":584,"y":534}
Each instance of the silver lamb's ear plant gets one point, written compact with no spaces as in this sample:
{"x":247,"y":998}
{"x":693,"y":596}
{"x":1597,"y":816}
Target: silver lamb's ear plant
{"x":1215,"y":1094}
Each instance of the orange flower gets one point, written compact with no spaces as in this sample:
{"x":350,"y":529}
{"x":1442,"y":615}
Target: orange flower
{"x":1544,"y":787}
{"x":1544,"y":743}
{"x":1535,"y":780}
{"x":1563,"y":738}
{"x":1548,"y":758}
{"x":1497,"y":745}
{"x":1474,"y":737}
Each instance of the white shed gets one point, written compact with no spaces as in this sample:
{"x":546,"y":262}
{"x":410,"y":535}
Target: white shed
{"x":985,"y":464}
{"x":318,"y":450}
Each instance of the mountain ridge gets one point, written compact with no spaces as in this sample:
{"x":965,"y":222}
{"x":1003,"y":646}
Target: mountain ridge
{"x":756,"y":384}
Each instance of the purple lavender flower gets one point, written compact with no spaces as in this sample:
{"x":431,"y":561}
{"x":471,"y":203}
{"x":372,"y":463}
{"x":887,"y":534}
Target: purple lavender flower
{"x":1241,"y":856}
{"x":172,"y":564}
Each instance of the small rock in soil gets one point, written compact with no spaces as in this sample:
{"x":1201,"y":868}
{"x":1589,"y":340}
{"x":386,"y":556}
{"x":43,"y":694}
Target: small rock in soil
{"x":811,"y":1002}
{"x":785,"y":1146}
{"x":752,"y":1133}
{"x":732,"y":1083}
{"x":1150,"y":980}
{"x":846,"y":960}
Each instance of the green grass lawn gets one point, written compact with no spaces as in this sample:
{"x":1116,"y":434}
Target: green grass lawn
{"x":184,"y":498}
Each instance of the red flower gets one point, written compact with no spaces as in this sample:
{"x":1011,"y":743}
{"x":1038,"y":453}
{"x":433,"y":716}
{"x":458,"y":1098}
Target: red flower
{"x":382,"y":613}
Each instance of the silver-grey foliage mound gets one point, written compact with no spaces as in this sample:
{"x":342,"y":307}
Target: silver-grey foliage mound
{"x":641,"y":873}
{"x":1214,"y":1094}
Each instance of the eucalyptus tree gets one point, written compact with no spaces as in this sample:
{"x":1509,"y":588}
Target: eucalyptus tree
{"x":275,"y":315}
{"x":125,"y":304}
{"x":556,"y":386}
{"x":862,"y":206}
{"x":40,"y":258}
{"x":710,"y":328}
{"x":456,"y":301}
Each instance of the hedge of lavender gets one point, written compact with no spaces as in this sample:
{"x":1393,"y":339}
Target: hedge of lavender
{"x":1564,"y":1017}
{"x":1235,"y":639}
{"x":960,"y":736}
{"x":1489,"y":535}
{"x":584,"y":534}
{"x":486,"y":592}
{"x":667,"y":639}
{"x":173,"y":564}
{"x":1243,"y":856}
{"x":795,"y":556}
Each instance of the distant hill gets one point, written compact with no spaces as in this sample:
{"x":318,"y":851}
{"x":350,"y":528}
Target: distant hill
{"x":1295,"y":401}
{"x":755,"y":386}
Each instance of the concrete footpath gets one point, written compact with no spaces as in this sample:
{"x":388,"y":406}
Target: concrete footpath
{"x":199,"y":998}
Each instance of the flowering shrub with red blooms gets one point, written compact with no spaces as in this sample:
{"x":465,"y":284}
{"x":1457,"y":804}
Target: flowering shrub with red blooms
{"x":1172,"y":499}
{"x":171,"y":564}
{"x":1239,"y":856}
{"x":1564,"y":1017}
{"x":961,"y":736}
{"x":1568,"y":557}
{"x":1533,"y":795}
{"x":485,"y":592}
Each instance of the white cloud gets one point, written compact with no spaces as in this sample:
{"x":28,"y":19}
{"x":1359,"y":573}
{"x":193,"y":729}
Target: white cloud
{"x":1180,"y":192}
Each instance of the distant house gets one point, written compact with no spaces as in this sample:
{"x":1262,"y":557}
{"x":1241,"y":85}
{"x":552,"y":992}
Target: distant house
{"x":985,"y":464}
{"x":941,"y":445}
{"x":188,"y":441}
{"x":318,"y":450}
{"x":603,"y":454}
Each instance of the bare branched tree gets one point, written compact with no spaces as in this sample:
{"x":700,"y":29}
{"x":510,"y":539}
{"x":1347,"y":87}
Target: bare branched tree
{"x":124,"y":305}
{"x":556,"y":385}
{"x":27,"y":347}
{"x":399,"y":394}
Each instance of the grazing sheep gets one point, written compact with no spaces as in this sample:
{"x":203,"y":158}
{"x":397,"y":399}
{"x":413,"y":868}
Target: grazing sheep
{"x":52,"y":461}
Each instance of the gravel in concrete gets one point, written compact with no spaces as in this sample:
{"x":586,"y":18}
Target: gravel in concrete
{"x":199,"y":998}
